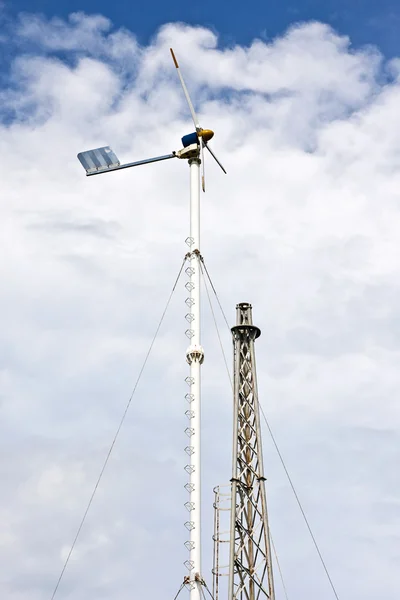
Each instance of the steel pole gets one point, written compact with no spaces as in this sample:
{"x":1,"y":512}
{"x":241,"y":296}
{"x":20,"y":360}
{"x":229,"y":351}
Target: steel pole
{"x":194,"y":357}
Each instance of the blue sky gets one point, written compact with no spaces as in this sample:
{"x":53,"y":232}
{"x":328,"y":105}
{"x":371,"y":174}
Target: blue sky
{"x":365,"y":21}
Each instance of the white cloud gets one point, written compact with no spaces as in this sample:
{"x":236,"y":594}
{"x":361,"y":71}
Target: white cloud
{"x":82,"y":33}
{"x":305,"y":226}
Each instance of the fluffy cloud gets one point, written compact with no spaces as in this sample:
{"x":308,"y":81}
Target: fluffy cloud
{"x":305,"y":226}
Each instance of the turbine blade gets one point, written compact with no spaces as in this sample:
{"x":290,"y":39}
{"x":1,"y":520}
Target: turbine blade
{"x":214,"y":157}
{"x":203,"y":166}
{"x":185,"y":91}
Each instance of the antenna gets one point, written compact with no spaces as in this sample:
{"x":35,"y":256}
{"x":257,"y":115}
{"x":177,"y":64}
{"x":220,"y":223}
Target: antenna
{"x":103,"y":160}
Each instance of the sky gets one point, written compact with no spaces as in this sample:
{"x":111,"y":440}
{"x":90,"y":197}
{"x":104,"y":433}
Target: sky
{"x":305,"y":226}
{"x":366,"y":21}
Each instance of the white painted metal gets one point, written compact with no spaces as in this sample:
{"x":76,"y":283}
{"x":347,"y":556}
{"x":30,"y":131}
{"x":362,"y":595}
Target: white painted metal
{"x":194,"y":357}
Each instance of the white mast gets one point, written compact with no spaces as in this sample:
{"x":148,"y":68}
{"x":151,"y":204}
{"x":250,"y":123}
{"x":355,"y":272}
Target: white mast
{"x":194,"y":357}
{"x":104,"y":160}
{"x":195,"y":354}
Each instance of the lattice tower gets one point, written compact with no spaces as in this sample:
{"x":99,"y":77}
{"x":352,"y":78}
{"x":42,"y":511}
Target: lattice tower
{"x":250,"y":566}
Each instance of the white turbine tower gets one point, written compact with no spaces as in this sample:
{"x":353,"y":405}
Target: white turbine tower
{"x":103,"y":160}
{"x":194,"y":354}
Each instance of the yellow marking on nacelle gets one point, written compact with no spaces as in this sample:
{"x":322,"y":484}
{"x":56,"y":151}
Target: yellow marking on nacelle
{"x":206,"y":134}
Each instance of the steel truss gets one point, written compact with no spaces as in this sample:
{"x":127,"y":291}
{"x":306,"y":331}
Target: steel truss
{"x":250,"y":568}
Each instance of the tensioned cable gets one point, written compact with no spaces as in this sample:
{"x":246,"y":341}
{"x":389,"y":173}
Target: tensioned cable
{"x":230,"y":380}
{"x":299,"y":504}
{"x":208,"y":590}
{"x":215,"y":292}
{"x":116,"y":436}
{"x":202,"y":592}
{"x":279,"y":566}
{"x":215,"y":321}
{"x":179,"y":591}
{"x":282,"y":462}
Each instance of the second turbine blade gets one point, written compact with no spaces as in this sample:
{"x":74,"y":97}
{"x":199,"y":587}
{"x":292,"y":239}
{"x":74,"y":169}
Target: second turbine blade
{"x":214,"y":157}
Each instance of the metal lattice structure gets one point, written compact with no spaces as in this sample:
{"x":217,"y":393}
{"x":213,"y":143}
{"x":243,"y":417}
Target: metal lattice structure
{"x":250,"y":568}
{"x":221,"y":539}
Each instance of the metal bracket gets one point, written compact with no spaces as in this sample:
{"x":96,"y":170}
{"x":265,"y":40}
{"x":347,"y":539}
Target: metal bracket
{"x":192,"y":151}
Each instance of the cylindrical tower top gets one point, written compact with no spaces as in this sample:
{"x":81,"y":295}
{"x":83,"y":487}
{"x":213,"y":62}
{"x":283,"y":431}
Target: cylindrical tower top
{"x":244,"y":321}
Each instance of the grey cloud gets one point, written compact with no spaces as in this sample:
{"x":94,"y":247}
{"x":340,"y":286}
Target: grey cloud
{"x":94,"y":227}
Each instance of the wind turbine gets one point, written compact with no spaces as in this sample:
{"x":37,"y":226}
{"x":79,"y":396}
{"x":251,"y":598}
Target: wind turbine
{"x":103,"y":160}
{"x":203,"y":135}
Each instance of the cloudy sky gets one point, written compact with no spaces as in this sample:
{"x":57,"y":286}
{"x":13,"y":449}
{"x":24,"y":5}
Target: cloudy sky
{"x":305,"y":106}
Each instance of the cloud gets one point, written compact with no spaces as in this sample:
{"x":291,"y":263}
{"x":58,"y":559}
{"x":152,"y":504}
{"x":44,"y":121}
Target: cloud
{"x":305,"y":226}
{"x":81,"y":33}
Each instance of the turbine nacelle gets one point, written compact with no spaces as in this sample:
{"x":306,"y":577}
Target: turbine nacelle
{"x":194,"y":138}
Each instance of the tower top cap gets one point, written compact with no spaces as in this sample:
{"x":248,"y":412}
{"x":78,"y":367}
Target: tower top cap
{"x":244,"y":317}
